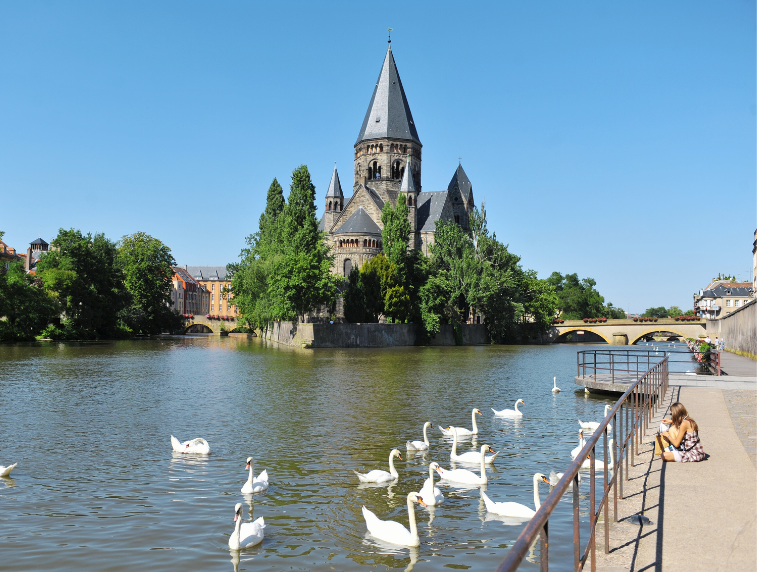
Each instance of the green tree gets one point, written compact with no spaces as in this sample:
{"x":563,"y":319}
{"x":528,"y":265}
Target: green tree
{"x":274,"y":206}
{"x":614,"y":313}
{"x":25,"y":308}
{"x":82,"y":274}
{"x":354,"y":298}
{"x":146,"y":263}
{"x":659,"y":312}
{"x":674,"y":312}
{"x":578,"y":299}
{"x":395,"y":236}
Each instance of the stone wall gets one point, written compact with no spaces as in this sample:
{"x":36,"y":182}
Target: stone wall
{"x":739,"y":330}
{"x":366,"y":335}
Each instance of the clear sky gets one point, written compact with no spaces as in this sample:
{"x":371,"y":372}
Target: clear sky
{"x":615,"y":140}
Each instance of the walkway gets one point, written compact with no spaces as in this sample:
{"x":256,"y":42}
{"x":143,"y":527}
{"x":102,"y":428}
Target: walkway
{"x":734,"y":364}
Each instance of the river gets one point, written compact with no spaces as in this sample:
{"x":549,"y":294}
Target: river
{"x":98,"y":487}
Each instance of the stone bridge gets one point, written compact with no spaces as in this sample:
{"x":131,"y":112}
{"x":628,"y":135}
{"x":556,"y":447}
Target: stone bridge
{"x":210,"y":323}
{"x":625,"y":332}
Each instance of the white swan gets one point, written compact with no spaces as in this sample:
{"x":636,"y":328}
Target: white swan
{"x":515,"y":508}
{"x":574,"y":453}
{"x":431,"y":495}
{"x":556,"y":389}
{"x":255,"y":485}
{"x":199,"y":446}
{"x":592,"y":426}
{"x":510,"y":412}
{"x":393,"y":532}
{"x":462,"y":431}
{"x":471,"y":457}
{"x":245,"y":534}
{"x":378,"y":476}
{"x":464,"y":475}
{"x":554,"y":478}
{"x":420,"y":445}
{"x":600,"y":465}
{"x":5,"y":471}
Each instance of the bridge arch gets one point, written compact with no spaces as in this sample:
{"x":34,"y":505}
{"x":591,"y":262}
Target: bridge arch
{"x":201,"y":328}
{"x":660,"y":330}
{"x":564,"y":331}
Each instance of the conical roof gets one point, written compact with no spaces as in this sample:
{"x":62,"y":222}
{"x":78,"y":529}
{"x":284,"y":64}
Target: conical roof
{"x":335,"y":188}
{"x":461,"y":181}
{"x":408,"y":182}
{"x":388,"y":114}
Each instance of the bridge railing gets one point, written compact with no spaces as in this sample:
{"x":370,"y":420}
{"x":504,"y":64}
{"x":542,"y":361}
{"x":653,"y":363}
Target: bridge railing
{"x":627,"y":365}
{"x":629,"y":418}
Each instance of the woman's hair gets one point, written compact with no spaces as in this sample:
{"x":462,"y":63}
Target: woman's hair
{"x":679,"y":413}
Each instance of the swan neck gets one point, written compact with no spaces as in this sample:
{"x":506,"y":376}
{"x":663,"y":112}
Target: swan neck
{"x":238,"y":530}
{"x":537,"y":500}
{"x":431,"y":476}
{"x":425,"y":435}
{"x":411,"y":518}
{"x":392,"y":470}
{"x":250,"y":479}
{"x":454,"y":441}
{"x":473,"y":422}
{"x":483,"y":463}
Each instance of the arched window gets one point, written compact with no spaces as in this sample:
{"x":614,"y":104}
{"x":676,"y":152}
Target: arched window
{"x":347,"y":266}
{"x":370,"y":173}
{"x":329,"y":205}
{"x":381,"y":148}
{"x":396,"y":170}
{"x":378,"y":172}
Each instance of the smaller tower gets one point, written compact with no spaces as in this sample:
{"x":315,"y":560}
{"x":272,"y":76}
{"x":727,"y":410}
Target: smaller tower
{"x":334,"y":202}
{"x":410,"y":192}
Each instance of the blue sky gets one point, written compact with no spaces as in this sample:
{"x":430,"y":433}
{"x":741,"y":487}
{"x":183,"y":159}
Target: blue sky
{"x":615,"y":141}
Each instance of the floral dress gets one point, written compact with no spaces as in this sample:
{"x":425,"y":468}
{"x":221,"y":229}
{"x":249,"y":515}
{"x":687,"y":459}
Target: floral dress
{"x":690,"y":450}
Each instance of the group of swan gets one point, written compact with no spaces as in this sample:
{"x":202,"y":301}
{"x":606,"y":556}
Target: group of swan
{"x":246,"y":534}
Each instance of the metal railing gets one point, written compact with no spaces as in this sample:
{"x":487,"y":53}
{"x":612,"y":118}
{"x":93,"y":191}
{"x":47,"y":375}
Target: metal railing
{"x":627,"y":365}
{"x":629,"y":418}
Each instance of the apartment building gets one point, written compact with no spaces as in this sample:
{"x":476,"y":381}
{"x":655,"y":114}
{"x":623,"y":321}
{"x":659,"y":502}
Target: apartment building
{"x":188,"y":295}
{"x":722,"y":297}
{"x":216,"y":282}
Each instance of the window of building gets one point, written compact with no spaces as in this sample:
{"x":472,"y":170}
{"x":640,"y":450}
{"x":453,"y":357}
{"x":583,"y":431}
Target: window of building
{"x":213,"y":287}
{"x":212,"y":307}
{"x":213,"y":297}
{"x":347,"y":267}
{"x":727,"y":303}
{"x":737,"y":303}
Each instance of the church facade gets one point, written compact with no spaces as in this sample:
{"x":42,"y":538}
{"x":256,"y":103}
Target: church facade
{"x":388,"y":165}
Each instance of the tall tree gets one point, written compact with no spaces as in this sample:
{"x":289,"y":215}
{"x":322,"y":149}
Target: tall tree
{"x":274,"y":206}
{"x":25,"y":308}
{"x":354,"y":298}
{"x":395,"y":235}
{"x":82,"y":273}
{"x":577,"y":297}
{"x":146,"y":263}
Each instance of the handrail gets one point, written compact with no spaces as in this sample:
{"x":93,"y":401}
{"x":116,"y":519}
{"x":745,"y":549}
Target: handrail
{"x":638,"y":403}
{"x":611,"y":362}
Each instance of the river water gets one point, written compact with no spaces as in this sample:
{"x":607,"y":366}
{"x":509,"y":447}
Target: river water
{"x":98,"y":487}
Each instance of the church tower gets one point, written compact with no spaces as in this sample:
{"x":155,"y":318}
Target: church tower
{"x":388,"y":137}
{"x":334,"y":202}
{"x":408,"y":189}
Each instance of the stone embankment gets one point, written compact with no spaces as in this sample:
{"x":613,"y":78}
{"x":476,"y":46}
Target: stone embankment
{"x":738,"y":329}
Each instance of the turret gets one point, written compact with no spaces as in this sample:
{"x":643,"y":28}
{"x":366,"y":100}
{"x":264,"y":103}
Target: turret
{"x":410,"y":192}
{"x":334,"y":202}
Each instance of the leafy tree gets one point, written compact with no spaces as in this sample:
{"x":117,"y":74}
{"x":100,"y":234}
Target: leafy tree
{"x":577,"y":298}
{"x":674,"y":312}
{"x":397,"y":304}
{"x":274,"y":206}
{"x":146,"y":263}
{"x":25,"y":308}
{"x":395,"y":236}
{"x":82,"y":274}
{"x":659,"y":312}
{"x":354,"y":298}
{"x":689,"y":313}
{"x":614,"y":313}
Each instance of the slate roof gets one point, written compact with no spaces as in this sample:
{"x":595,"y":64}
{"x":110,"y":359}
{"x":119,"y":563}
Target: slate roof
{"x":207,"y":272}
{"x":388,"y":113}
{"x":721,"y":290}
{"x":335,"y":188}
{"x":408,"y":181}
{"x":321,"y":223}
{"x":39,"y":241}
{"x":430,"y":208}
{"x":461,"y":181}
{"x":360,"y":222}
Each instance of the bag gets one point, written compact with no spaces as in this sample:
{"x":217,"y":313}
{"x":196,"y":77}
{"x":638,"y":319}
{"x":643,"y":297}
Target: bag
{"x":659,"y":447}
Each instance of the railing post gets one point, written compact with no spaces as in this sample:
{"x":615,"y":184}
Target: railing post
{"x":576,"y":527}
{"x":593,"y":519}
{"x":544,"y":559}
{"x":606,"y":489}
{"x":615,"y":467}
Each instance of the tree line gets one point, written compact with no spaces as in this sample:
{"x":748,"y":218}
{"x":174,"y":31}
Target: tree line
{"x":87,"y":287}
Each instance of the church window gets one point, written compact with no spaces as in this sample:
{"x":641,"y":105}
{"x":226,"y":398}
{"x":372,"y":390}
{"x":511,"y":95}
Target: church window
{"x":381,"y":148}
{"x":329,"y":205}
{"x":378,"y":172}
{"x":347,"y":267}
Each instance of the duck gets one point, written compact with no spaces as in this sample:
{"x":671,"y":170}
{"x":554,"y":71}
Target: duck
{"x":6,"y":471}
{"x":515,"y":508}
{"x":556,"y":389}
{"x":431,"y":495}
{"x":592,"y":426}
{"x":554,"y":478}
{"x":245,"y":534}
{"x":471,"y":457}
{"x":462,"y":431}
{"x":199,"y":446}
{"x":574,"y":453}
{"x":464,"y":476}
{"x":379,"y":476}
{"x":420,"y":445}
{"x":510,"y":412}
{"x":255,"y":485}
{"x":393,"y":532}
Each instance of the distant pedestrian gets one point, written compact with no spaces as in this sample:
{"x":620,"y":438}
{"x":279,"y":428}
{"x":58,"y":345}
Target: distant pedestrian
{"x":707,"y":340}
{"x":717,"y":343}
{"x":722,"y":344}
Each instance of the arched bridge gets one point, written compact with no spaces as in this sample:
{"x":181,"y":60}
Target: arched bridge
{"x":625,"y":332}
{"x":214,"y":325}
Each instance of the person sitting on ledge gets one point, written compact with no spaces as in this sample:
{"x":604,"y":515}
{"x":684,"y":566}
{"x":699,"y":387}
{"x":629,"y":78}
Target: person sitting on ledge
{"x":683,"y":437}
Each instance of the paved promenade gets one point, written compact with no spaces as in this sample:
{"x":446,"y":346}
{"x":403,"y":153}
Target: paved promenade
{"x":734,"y":364}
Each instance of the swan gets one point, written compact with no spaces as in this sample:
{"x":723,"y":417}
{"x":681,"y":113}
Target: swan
{"x":393,"y":532}
{"x":420,"y":445}
{"x":574,"y":453}
{"x":245,"y":534}
{"x":6,"y":471}
{"x":600,"y":465}
{"x":471,"y":457}
{"x":591,"y":426}
{"x":429,"y":493}
{"x":378,"y":476}
{"x":510,"y":412}
{"x":462,"y":431}
{"x":556,"y":389}
{"x":255,"y":485}
{"x":554,"y":478}
{"x":199,"y":446}
{"x":465,"y":476}
{"x":515,"y":508}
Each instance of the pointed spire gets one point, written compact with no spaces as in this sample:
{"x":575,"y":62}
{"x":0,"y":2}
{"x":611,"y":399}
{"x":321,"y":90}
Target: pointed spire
{"x":461,"y":181}
{"x":388,"y":114}
{"x":408,"y":182}
{"x":335,"y":188}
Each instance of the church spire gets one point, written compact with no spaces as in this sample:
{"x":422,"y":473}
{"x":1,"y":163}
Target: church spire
{"x":335,"y":188}
{"x":408,"y":181}
{"x":388,"y":114}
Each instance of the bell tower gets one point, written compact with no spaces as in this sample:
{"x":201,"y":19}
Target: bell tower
{"x":334,"y":202}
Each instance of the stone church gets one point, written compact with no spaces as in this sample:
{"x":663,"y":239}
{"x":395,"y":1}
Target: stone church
{"x":387,"y":165}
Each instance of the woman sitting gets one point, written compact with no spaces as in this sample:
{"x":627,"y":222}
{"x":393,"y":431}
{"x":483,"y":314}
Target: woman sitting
{"x":683,"y":436}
